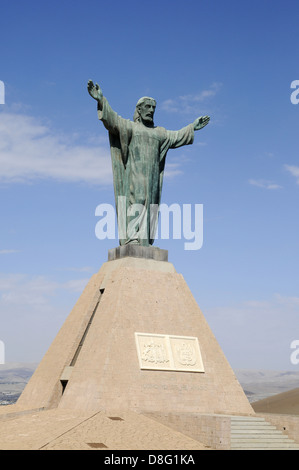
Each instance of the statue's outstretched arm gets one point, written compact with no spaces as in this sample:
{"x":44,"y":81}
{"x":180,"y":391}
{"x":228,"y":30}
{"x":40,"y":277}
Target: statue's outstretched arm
{"x":95,"y":92}
{"x":114,"y":123}
{"x":201,"y":122}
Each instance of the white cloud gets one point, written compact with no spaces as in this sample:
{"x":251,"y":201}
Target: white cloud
{"x":20,"y":289}
{"x":189,"y":103}
{"x":75,"y":285}
{"x":172,"y":170}
{"x":294,"y":170}
{"x":8,"y":252}
{"x":30,"y":150}
{"x":264,"y":184}
{"x":84,"y":269}
{"x":287,"y":301}
{"x":257,"y":333}
{"x":32,"y":310}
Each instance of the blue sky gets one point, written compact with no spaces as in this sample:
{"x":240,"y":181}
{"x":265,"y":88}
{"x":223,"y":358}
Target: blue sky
{"x":234,"y":61}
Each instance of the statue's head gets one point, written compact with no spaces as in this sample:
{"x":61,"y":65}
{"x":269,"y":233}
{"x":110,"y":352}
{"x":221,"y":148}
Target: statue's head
{"x":144,"y":111}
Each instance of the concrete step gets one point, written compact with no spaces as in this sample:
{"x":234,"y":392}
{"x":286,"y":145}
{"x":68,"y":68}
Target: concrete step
{"x":252,"y":433}
{"x":238,"y":437}
{"x":255,"y":431}
{"x":259,"y":438}
{"x":255,"y":447}
{"x":263,"y":445}
{"x":246,"y":418}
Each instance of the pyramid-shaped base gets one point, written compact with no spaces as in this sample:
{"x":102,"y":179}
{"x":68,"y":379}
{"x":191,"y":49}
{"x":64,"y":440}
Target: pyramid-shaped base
{"x":136,"y":340}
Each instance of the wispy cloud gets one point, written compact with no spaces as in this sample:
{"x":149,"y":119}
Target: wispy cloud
{"x":189,"y":103}
{"x":20,"y":289}
{"x":84,"y":269}
{"x":294,"y":170}
{"x":32,"y":309}
{"x":287,"y":301}
{"x":31,"y":150}
{"x":172,"y":170}
{"x":261,"y":329}
{"x":265,"y":184}
{"x":8,"y":252}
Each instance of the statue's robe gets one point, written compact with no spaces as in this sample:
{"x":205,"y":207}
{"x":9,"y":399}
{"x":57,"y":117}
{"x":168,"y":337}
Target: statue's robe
{"x":138,"y":159}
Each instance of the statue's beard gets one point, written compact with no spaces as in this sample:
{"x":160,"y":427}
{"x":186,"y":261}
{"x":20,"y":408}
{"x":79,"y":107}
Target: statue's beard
{"x":147,"y":121}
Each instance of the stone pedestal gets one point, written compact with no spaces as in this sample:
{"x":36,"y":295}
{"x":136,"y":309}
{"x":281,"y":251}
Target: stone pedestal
{"x":136,"y":340}
{"x":137,"y":251}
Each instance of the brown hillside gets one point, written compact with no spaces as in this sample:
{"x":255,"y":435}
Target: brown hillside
{"x":282,"y":403}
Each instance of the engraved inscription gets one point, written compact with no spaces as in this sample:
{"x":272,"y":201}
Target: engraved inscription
{"x":154,"y":352}
{"x":167,"y":352}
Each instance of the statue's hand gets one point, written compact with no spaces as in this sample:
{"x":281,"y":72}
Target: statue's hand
{"x":94,"y":91}
{"x":201,"y":122}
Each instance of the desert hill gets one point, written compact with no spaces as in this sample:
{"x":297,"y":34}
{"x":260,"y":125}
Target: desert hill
{"x":13,"y":378}
{"x":282,"y":403}
{"x":260,"y":384}
{"x":257,"y":384}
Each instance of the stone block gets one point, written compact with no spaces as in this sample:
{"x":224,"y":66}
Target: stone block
{"x":137,"y":251}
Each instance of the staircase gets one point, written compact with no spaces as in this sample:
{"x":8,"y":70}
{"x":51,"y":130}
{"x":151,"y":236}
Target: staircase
{"x":253,"y":433}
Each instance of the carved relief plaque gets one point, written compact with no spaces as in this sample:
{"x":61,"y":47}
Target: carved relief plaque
{"x":186,"y":353}
{"x":166,"y":352}
{"x":153,"y":351}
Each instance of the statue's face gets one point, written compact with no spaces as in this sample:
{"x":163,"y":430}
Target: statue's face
{"x":146,"y":111}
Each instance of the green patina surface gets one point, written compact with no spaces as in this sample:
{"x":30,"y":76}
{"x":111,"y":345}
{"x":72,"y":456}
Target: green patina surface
{"x":138,"y":153}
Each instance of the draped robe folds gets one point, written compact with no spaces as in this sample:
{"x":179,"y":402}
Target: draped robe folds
{"x":138,"y":159}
